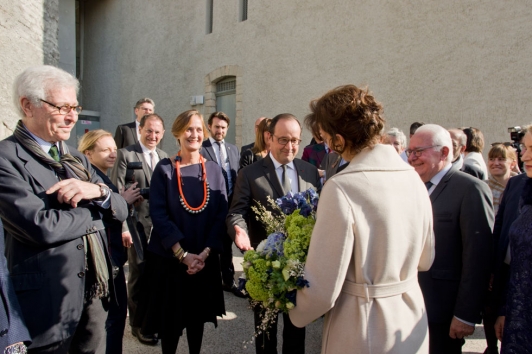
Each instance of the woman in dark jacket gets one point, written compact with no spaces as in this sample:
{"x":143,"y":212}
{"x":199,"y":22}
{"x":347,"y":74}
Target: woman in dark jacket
{"x":100,"y":148}
{"x":261,"y":147}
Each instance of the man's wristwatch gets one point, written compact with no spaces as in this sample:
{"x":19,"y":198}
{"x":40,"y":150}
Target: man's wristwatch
{"x":104,"y":191}
{"x":18,"y":348}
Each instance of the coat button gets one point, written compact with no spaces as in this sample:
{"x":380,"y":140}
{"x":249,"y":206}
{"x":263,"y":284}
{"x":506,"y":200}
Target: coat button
{"x":80,"y":246}
{"x":3,"y":332}
{"x":81,"y":274}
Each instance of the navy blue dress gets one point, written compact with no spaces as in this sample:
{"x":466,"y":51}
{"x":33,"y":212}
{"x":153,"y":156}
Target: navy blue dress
{"x":517,"y":336}
{"x":176,"y":298}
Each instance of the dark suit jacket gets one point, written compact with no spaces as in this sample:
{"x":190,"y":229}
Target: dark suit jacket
{"x":12,"y":327}
{"x":330,"y":164}
{"x":254,"y":183}
{"x":508,"y":212}
{"x":207,"y":151}
{"x":126,"y":134}
{"x":44,"y":245}
{"x":246,"y":147}
{"x":463,"y":218}
{"x":133,"y":153}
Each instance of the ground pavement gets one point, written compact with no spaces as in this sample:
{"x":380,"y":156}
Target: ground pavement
{"x":235,"y":332}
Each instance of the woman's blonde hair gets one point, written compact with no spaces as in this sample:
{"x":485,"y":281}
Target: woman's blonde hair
{"x":88,"y":140}
{"x":260,"y":143}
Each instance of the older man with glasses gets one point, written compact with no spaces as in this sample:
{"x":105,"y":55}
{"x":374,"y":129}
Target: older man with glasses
{"x":455,"y":286}
{"x":53,"y":205}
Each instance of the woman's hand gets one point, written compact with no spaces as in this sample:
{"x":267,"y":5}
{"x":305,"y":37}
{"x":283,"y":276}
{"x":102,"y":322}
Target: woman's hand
{"x":132,"y":194}
{"x":499,"y":327}
{"x":194,"y":263}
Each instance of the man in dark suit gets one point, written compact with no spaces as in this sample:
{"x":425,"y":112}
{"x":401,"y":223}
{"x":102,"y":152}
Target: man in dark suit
{"x":13,"y":331}
{"x":455,"y":286}
{"x":250,"y":146}
{"x":226,"y":155}
{"x":459,"y":145}
{"x":52,"y":206}
{"x":138,"y":227}
{"x":128,"y":134}
{"x":274,"y":176}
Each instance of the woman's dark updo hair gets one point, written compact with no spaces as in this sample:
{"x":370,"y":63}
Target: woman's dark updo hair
{"x":350,"y":112}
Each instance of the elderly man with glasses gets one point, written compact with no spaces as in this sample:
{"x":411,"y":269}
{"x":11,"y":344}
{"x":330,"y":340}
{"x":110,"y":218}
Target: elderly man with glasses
{"x":274,"y":176}
{"x":53,"y":205}
{"x":455,"y":286}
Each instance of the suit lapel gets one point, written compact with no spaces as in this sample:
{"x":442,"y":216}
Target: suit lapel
{"x":210,"y":150}
{"x":44,"y":176}
{"x":301,"y":184}
{"x":271,"y":175}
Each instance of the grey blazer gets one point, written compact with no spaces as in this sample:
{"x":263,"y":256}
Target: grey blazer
{"x":44,"y":245}
{"x":254,"y":183}
{"x":133,"y":153}
{"x":463,"y":219}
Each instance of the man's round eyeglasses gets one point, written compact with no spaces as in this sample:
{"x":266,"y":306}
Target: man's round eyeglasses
{"x":284,"y":141}
{"x":419,"y":151}
{"x":65,"y":109}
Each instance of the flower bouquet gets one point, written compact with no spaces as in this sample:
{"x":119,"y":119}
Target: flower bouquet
{"x":275,"y":270}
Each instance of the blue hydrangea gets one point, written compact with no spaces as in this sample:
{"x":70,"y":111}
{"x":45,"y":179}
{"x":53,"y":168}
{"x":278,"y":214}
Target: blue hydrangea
{"x":274,"y":244}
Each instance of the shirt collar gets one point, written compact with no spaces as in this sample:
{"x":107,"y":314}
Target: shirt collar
{"x":214,"y":141}
{"x":438,"y":177}
{"x":277,"y":164}
{"x":145,"y":149}
{"x":45,"y":145}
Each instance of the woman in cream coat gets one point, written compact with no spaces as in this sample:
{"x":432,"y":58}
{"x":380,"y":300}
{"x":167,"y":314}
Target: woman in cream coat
{"x":373,"y":234}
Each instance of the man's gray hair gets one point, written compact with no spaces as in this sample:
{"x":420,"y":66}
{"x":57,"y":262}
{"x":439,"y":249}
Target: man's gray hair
{"x":36,"y":82}
{"x":399,"y":135}
{"x":440,"y":136}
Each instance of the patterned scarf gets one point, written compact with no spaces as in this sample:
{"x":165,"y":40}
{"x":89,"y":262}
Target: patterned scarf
{"x":71,"y":167}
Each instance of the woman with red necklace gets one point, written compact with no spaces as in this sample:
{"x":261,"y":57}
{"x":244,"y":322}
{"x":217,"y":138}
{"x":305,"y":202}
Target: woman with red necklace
{"x":188,"y":206}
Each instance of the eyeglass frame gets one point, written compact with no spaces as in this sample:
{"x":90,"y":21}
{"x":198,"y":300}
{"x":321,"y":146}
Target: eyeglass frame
{"x":69,"y":107}
{"x":293,"y":141}
{"x":419,"y":151}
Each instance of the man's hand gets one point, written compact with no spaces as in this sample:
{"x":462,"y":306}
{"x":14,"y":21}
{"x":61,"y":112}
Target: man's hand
{"x":499,"y":327}
{"x":127,"y":241}
{"x":131,"y":194}
{"x":460,"y":329}
{"x":242,"y":239}
{"x":71,"y":191}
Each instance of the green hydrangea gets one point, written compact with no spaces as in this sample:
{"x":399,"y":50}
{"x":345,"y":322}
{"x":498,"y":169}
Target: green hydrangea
{"x":299,"y":230}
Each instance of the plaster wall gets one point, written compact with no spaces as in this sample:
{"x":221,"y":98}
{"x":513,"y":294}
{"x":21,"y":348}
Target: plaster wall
{"x":28,"y":36}
{"x":454,"y":63}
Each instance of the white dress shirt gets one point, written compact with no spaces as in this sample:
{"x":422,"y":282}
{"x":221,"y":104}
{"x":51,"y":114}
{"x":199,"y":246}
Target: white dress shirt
{"x":147,"y":156}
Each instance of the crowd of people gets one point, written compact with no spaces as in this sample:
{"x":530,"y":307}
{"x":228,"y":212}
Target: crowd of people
{"x":415,"y":241}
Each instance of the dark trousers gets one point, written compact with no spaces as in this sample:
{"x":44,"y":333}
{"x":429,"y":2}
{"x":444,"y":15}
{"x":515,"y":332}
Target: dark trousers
{"x":116,"y":319}
{"x":194,"y":338}
{"x":135,"y":283}
{"x":89,"y":336}
{"x":293,"y":337}
{"x":440,"y":342}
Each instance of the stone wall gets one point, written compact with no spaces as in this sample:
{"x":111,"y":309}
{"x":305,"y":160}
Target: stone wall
{"x":28,"y":36}
{"x":455,"y":63}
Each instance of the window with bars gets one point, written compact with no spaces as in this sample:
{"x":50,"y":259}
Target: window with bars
{"x":226,"y":85}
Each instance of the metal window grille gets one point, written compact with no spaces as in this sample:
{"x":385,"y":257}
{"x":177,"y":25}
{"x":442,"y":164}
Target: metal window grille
{"x":244,"y":10}
{"x":210,"y":17}
{"x":226,"y":86}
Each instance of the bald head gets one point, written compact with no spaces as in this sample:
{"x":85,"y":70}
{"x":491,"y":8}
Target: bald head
{"x":459,"y":142}
{"x":257,"y":122}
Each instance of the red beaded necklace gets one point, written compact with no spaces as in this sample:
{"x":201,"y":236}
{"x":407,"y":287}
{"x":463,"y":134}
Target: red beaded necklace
{"x":206,"y":190}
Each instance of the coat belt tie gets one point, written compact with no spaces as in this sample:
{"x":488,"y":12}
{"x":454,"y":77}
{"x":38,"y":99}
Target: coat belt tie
{"x":369,"y":291}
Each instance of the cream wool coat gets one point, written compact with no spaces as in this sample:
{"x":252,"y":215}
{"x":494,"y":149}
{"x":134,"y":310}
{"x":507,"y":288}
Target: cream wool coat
{"x":374,"y":227}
